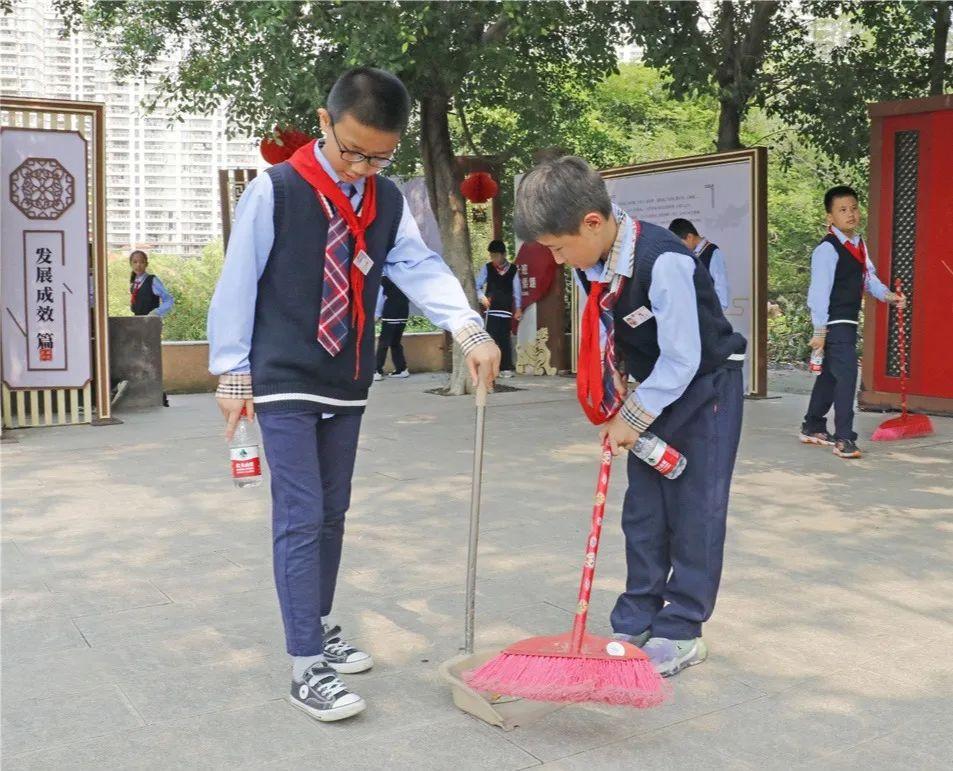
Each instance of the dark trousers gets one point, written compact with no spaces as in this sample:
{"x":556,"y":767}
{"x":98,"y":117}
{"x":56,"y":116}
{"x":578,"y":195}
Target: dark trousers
{"x":311,"y":461}
{"x":675,"y":528}
{"x":391,"y":334}
{"x":836,"y":385}
{"x":499,"y":327}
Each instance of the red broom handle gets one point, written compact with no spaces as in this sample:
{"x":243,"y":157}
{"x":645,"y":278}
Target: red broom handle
{"x":902,"y":340}
{"x":592,"y":550}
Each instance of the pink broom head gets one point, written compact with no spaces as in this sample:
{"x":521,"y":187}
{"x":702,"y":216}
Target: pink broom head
{"x":544,"y":669}
{"x":906,"y":426}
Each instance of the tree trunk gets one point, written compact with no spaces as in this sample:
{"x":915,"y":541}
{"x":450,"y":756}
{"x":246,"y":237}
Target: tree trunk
{"x":449,"y":208}
{"x":744,"y":44}
{"x":729,"y":125}
{"x":941,"y":29}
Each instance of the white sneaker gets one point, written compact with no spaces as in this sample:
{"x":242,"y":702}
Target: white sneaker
{"x":402,"y":374}
{"x":378,"y":376}
{"x":507,"y":373}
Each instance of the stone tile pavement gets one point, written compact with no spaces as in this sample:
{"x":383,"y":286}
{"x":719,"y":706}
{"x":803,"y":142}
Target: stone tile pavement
{"x":140,"y":627}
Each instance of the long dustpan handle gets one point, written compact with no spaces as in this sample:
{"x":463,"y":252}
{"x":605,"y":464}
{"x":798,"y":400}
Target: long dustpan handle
{"x":476,"y":481}
{"x":592,"y":550}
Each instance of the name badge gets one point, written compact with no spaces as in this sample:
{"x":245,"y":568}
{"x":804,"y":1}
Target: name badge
{"x":363,"y":262}
{"x":638,"y":316}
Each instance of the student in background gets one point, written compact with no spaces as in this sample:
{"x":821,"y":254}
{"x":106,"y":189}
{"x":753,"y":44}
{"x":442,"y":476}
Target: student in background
{"x":501,"y":296}
{"x":394,"y":308}
{"x":708,"y":254}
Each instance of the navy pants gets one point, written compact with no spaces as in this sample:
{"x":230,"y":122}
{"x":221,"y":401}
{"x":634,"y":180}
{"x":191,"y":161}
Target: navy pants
{"x":675,"y":528}
{"x":499,"y":328}
{"x":311,"y":461}
{"x":836,"y":385}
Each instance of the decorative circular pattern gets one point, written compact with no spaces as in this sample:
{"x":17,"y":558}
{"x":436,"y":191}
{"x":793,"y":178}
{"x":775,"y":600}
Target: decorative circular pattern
{"x":41,"y":188}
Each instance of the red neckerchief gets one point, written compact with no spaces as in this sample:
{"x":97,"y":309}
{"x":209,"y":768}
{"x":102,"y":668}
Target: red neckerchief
{"x":306,"y":164}
{"x":591,"y":375}
{"x":858,"y":252}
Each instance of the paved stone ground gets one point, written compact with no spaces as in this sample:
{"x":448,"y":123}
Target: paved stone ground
{"x":140,"y":626}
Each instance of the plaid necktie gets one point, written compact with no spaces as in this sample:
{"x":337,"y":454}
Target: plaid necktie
{"x":333,"y":323}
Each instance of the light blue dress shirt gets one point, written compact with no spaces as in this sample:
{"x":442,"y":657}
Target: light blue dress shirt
{"x":158,"y":289}
{"x":517,"y":288}
{"x":823,"y":266}
{"x":719,"y":273}
{"x":675,"y":307}
{"x":419,"y":273}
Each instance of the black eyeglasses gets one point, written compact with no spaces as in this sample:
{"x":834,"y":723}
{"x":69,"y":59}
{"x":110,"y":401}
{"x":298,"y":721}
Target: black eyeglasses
{"x":353,"y":156}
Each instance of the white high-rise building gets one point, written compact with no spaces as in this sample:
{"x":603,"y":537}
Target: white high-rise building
{"x":161,"y":176}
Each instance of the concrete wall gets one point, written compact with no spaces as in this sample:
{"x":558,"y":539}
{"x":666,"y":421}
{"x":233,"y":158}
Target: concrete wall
{"x":185,"y":364}
{"x":135,"y":355}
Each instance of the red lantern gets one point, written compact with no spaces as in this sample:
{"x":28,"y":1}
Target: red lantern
{"x":479,"y":187}
{"x":281,"y":149}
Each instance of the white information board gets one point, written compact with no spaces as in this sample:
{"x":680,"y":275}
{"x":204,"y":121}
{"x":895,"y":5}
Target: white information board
{"x":45,"y":259}
{"x":724,"y":197}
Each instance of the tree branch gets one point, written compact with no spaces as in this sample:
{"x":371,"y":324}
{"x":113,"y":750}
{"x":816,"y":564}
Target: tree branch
{"x":497,"y":30}
{"x":467,"y":134}
{"x":941,"y":28}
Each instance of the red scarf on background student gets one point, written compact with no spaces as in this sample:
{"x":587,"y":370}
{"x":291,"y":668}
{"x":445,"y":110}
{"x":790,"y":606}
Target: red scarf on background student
{"x":306,"y":164}
{"x":858,"y":252}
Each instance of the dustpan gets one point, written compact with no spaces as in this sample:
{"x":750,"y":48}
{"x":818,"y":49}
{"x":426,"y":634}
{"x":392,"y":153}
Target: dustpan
{"x":503,"y":711}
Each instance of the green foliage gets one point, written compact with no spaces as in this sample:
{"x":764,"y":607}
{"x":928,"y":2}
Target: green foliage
{"x":860,"y":52}
{"x":190,"y":281}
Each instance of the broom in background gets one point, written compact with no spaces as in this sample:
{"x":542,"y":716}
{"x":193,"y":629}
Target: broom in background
{"x":908,"y":425}
{"x":578,"y":666}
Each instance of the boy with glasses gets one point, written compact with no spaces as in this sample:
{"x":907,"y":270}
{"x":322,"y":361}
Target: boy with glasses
{"x":291,"y":335}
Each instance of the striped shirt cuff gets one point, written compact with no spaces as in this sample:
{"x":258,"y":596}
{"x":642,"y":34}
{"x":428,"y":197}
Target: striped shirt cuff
{"x":820,"y":331}
{"x":470,"y":336}
{"x":635,"y":414}
{"x":234,"y":386}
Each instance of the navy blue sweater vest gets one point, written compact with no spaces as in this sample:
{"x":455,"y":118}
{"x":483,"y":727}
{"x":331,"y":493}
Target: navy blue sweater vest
{"x":639,"y":345}
{"x":499,"y":287}
{"x":146,"y":300}
{"x":706,"y":254}
{"x":847,"y":292}
{"x":290,"y":369}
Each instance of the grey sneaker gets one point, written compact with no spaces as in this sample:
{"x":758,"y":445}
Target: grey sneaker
{"x":821,"y":438}
{"x":323,"y":696}
{"x":669,"y":657}
{"x":638,"y":640}
{"x":341,"y":655}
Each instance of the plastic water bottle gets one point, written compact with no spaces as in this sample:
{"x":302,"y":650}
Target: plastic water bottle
{"x":817,"y":361}
{"x":660,"y":455}
{"x":243,"y":449}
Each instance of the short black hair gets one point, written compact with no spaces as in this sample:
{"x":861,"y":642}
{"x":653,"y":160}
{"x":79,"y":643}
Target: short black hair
{"x":682,"y":227}
{"x":373,"y":97}
{"x":554,"y":198}
{"x":838,"y":191}
{"x":496,"y":247}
